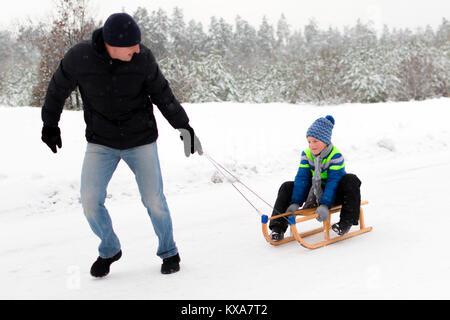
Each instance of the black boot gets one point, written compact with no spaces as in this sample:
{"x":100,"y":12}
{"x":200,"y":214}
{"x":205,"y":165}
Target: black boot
{"x":100,"y":268}
{"x":342,"y":227}
{"x":171,"y":264}
{"x":277,"y":234}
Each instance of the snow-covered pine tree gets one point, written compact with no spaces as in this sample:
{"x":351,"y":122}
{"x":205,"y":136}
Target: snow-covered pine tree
{"x":283,"y":32}
{"x":366,"y":72}
{"x":158,"y":28}
{"x":197,"y":40}
{"x":266,"y":41}
{"x":177,"y":32}
{"x":244,"y":45}
{"x":142,"y":18}
{"x":5,"y":53}
{"x":214,"y":81}
{"x":17,"y":70}
{"x":205,"y":80}
{"x":220,"y":35}
{"x":263,"y":64}
{"x":369,"y":76}
{"x":178,"y":74}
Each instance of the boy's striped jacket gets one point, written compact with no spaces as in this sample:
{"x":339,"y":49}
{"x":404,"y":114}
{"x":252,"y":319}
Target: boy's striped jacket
{"x":332,"y":171}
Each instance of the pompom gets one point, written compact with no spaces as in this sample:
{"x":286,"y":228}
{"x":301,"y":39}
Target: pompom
{"x":330,"y":118}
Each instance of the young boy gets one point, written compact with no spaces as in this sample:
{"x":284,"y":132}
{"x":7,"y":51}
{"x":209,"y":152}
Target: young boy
{"x":321,"y":182}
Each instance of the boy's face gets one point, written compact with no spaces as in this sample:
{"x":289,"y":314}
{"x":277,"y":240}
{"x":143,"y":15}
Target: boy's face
{"x":315,"y":145}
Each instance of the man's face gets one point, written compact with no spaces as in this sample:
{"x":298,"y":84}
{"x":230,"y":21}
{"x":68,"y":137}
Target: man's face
{"x":122,"y":53}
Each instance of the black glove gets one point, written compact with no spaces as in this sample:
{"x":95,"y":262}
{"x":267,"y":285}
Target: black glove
{"x":191,"y":142}
{"x":52,"y":137}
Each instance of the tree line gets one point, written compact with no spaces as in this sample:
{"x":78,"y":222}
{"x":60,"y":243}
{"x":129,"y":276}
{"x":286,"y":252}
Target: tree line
{"x":243,"y":63}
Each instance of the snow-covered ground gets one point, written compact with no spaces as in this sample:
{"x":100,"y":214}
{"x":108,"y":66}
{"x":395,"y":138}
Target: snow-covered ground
{"x":400,"y":151}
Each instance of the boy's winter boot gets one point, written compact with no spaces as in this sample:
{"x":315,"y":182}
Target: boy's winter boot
{"x":171,"y":264}
{"x":277,"y":234}
{"x":100,"y":268}
{"x":342,"y":227}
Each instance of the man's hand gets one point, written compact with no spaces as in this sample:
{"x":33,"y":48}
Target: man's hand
{"x":191,"y":142}
{"x":52,"y":137}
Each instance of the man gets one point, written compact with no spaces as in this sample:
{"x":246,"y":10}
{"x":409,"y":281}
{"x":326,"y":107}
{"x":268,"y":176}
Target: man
{"x":118,"y":79}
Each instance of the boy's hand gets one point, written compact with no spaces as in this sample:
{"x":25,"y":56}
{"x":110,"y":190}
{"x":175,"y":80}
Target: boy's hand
{"x":292,"y":208}
{"x":323,"y":212}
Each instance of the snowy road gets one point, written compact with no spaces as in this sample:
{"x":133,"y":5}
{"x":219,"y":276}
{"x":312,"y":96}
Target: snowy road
{"x":47,"y":247}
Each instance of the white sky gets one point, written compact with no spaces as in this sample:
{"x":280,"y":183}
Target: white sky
{"x":336,"y":13}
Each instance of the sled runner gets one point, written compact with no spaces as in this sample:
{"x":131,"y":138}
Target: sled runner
{"x":309,"y":214}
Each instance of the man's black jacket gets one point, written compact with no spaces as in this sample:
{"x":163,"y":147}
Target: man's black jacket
{"x":117,"y":96}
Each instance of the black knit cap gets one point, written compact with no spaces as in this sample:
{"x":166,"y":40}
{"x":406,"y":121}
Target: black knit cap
{"x":120,"y":30}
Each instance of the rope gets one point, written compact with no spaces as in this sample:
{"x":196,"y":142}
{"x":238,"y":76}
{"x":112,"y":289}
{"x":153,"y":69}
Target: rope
{"x":234,"y":177}
{"x":222,"y":169}
{"x":232,"y":183}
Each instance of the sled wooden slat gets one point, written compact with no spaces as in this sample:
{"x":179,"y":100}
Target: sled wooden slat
{"x":309,"y":214}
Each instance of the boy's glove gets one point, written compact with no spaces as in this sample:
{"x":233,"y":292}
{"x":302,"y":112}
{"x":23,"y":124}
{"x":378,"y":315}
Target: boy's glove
{"x":323,"y":212}
{"x":191,"y":142}
{"x":52,"y":137}
{"x":292,"y":208}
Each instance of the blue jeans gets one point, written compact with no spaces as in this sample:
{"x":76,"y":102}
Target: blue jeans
{"x":99,"y":164}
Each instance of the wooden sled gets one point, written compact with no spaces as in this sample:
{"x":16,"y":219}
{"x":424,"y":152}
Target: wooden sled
{"x":309,"y":214}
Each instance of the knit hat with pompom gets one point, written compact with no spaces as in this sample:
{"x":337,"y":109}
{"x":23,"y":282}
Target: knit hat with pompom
{"x":322,"y":129}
